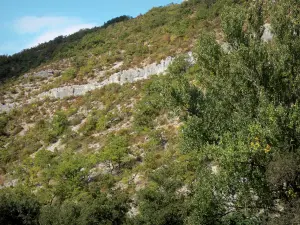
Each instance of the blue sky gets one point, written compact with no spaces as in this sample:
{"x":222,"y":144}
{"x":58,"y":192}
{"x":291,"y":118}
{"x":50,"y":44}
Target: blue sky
{"x":26,"y":23}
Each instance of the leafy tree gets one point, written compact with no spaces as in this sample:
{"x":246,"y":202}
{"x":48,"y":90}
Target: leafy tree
{"x":59,"y":123}
{"x":115,"y":151}
{"x":162,"y":198}
{"x":116,"y":20}
{"x":18,"y":208}
{"x":98,"y":209}
{"x":3,"y":123}
{"x":182,"y":94}
{"x":71,"y":174}
{"x":57,"y":127}
{"x":245,"y":122}
{"x":105,"y":210}
{"x":64,"y":214}
{"x":152,"y":103}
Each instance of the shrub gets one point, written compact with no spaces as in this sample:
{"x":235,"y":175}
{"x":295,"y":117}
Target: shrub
{"x":18,"y":208}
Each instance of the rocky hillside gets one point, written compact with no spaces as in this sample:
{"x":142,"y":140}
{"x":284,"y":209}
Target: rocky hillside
{"x":97,"y":82}
{"x":188,"y":114}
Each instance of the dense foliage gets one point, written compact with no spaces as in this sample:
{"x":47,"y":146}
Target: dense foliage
{"x":244,"y":123}
{"x":214,"y":141}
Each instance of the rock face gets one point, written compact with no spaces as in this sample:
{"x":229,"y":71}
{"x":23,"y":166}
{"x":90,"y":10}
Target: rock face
{"x":7,"y":107}
{"x":267,"y":35}
{"x":122,"y":77}
{"x":43,"y":73}
{"x":125,"y":76}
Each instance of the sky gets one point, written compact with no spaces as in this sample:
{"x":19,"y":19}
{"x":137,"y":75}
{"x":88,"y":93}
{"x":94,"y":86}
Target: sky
{"x":26,"y":23}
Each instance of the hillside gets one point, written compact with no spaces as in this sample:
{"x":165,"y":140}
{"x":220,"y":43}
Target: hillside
{"x":161,"y":32}
{"x":188,"y":114}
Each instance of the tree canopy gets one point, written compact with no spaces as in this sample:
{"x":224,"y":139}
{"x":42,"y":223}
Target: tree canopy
{"x":244,"y":123}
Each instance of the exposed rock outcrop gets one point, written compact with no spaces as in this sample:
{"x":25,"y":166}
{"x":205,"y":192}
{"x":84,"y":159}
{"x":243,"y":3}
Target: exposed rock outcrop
{"x":122,"y":77}
{"x":267,"y":35}
{"x":43,"y":73}
{"x":7,"y":107}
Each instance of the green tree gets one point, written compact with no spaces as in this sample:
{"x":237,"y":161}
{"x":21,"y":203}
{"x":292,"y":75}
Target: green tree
{"x":58,"y":126}
{"x":18,"y":208}
{"x":3,"y":123}
{"x":71,"y":174}
{"x":105,"y":210}
{"x":115,"y":151}
{"x":66,"y":213}
{"x":162,"y":199}
{"x":151,"y":104}
{"x":245,"y":128}
{"x":89,"y":210}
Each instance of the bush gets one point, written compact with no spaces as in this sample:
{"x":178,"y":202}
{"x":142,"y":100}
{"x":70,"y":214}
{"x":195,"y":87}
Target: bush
{"x":98,"y":209}
{"x":58,"y":126}
{"x":18,"y":208}
{"x":68,"y":75}
{"x":3,"y":123}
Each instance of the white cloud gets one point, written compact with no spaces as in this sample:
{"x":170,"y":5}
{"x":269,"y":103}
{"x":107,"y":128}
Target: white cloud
{"x":33,"y":24}
{"x":46,"y":28}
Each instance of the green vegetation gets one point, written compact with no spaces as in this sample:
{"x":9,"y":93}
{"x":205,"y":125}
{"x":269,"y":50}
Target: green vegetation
{"x":211,"y":142}
{"x":115,"y":151}
{"x":152,"y":36}
{"x":18,"y":207}
{"x":244,"y":126}
{"x":30,"y":58}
